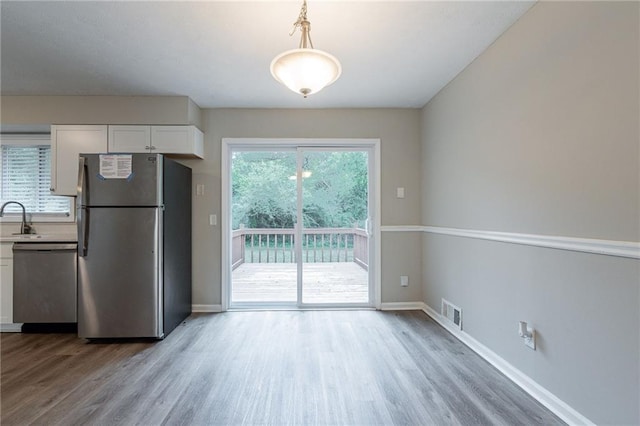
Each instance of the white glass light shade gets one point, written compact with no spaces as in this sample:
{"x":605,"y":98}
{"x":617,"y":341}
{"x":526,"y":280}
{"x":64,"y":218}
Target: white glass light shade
{"x":305,"y":71}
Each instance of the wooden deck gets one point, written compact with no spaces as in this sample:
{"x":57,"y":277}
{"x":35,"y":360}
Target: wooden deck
{"x":327,"y":283}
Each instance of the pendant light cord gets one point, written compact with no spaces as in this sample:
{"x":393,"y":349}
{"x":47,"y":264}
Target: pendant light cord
{"x":305,"y":27}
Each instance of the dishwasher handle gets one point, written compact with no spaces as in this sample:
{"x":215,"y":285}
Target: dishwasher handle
{"x":44,"y":247}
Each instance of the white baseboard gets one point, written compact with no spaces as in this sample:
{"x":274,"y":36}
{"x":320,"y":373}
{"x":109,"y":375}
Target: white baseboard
{"x":542,"y":395}
{"x":402,"y":306}
{"x":10,"y":328}
{"x":206,"y":308}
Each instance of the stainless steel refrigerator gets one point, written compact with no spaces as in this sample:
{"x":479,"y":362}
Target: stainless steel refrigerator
{"x":134,"y":245}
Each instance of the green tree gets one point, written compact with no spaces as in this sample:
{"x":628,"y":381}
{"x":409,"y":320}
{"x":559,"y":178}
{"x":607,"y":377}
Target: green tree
{"x":335,"y":195}
{"x":264,"y":189}
{"x":263,"y":194}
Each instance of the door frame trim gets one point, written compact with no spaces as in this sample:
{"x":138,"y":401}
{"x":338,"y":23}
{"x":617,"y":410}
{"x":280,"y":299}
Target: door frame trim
{"x":230,"y":144}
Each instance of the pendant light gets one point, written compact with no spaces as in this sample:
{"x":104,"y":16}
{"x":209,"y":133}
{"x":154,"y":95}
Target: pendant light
{"x":305,"y":70}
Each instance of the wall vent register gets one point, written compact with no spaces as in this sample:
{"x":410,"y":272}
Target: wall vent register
{"x":452,"y":313}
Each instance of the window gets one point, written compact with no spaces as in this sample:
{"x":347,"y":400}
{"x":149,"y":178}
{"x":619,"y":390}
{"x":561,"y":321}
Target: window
{"x":25,"y":176}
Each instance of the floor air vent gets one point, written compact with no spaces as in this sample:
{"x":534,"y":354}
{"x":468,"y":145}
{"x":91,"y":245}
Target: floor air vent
{"x":452,"y":313}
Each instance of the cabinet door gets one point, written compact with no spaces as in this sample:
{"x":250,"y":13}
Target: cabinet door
{"x":6,"y":291}
{"x":182,"y":140}
{"x":66,"y":143}
{"x":6,"y":283}
{"x":129,"y":138}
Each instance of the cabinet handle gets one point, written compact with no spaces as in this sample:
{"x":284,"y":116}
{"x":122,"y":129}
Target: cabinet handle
{"x":147,"y":147}
{"x":152,"y":147}
{"x":52,"y":189}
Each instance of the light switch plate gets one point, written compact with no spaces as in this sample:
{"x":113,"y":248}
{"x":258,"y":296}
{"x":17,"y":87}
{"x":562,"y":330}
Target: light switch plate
{"x":400,"y":192}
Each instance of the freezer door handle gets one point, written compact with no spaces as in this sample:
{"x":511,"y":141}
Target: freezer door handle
{"x":81,"y":210}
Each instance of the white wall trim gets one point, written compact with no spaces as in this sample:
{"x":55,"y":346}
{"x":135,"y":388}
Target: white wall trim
{"x":402,"y":228}
{"x":225,"y":223}
{"x":401,"y":306}
{"x":10,"y":328}
{"x":206,"y":308}
{"x":542,"y":395}
{"x":586,"y":245}
{"x":377,"y":221}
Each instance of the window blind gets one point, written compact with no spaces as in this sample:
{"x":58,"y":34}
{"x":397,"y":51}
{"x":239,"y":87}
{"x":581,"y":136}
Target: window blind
{"x":26,"y":178}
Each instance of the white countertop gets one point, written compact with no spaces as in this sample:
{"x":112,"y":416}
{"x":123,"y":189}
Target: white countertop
{"x":38,"y":238}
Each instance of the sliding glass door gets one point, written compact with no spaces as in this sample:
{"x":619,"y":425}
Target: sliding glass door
{"x":299,"y":227}
{"x":333,"y":207}
{"x":264,"y":209}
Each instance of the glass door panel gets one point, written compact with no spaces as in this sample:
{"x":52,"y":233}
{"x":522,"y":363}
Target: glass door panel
{"x":264,"y":211}
{"x":333,"y":210}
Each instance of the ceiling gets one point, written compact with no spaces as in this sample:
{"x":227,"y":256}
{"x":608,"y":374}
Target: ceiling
{"x":393,"y":53}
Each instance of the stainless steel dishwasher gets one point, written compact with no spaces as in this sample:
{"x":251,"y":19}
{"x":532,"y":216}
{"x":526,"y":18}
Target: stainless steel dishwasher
{"x":45,"y":282}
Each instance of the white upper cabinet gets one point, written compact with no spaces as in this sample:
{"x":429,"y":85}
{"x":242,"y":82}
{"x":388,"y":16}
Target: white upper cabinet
{"x":181,"y":140}
{"x":185,"y":141}
{"x":66,"y":143}
{"x":129,"y":138}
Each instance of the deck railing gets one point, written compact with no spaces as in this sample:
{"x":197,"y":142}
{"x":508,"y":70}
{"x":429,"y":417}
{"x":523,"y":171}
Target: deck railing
{"x":267,"y":245}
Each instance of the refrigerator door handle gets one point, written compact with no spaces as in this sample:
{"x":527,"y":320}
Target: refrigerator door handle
{"x":81,"y":211}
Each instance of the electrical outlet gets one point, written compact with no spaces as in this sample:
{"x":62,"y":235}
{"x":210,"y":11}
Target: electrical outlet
{"x":404,"y":281}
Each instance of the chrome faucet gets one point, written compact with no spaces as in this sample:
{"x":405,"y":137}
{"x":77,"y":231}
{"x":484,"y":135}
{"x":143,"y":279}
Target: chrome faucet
{"x":25,"y":228}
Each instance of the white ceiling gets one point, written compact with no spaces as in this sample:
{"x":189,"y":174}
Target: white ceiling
{"x":393,"y":53}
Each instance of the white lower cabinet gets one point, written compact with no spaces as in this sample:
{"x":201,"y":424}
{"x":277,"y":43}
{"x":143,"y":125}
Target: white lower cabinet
{"x":6,"y":283}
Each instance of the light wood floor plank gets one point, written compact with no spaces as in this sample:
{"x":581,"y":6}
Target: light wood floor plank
{"x":265,"y":367}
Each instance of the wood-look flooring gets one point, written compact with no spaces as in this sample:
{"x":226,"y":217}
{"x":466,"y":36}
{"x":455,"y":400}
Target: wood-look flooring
{"x":267,"y":367}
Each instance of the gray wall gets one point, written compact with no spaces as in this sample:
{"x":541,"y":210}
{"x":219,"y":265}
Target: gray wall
{"x":30,"y":111}
{"x":540,"y":135}
{"x":399,"y":132}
